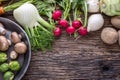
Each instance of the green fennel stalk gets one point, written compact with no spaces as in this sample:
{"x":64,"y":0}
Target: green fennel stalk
{"x":15,"y":5}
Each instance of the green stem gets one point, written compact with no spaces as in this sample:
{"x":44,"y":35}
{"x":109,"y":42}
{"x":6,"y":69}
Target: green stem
{"x":70,"y":21}
{"x":16,"y":5}
{"x":85,"y":13}
{"x":38,"y":35}
{"x":45,"y":23}
{"x":75,"y":14}
{"x":40,"y":26}
{"x":33,"y":37}
{"x":67,"y":9}
{"x":30,"y":37}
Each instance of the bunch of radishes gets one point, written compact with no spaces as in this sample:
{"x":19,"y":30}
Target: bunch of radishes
{"x":71,"y":28}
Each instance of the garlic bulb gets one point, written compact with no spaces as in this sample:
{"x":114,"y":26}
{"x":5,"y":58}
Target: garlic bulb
{"x":93,"y":6}
{"x":95,"y":22}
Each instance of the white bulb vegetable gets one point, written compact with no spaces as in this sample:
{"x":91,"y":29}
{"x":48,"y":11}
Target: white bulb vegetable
{"x":93,"y":6}
{"x":26,"y":15}
{"x":38,"y":30}
{"x":95,"y":22}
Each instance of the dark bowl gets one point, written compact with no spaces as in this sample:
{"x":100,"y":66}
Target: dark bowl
{"x":23,"y":59}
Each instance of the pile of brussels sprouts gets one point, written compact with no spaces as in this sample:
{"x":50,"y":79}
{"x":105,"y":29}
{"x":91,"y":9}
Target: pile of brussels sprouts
{"x":8,"y":68}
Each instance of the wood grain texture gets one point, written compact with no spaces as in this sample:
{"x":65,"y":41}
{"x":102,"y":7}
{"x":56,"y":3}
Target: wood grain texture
{"x":88,"y":58}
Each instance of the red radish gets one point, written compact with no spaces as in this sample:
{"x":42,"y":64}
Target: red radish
{"x":76,"y":24}
{"x":56,"y":14}
{"x":64,"y":23}
{"x":57,"y":32}
{"x":70,"y":30}
{"x":82,"y":31}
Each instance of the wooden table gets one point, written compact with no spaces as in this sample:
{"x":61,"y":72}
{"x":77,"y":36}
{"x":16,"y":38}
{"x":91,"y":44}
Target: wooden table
{"x":88,"y":58}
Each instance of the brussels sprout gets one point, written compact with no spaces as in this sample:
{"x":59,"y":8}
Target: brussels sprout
{"x":3,"y":57}
{"x":14,"y":65}
{"x":8,"y":75}
{"x":4,"y":67}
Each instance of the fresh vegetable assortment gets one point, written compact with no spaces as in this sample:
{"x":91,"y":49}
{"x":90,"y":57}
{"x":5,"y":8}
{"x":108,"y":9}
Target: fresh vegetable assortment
{"x":62,"y":15}
{"x":44,"y":20}
{"x":11,"y":47}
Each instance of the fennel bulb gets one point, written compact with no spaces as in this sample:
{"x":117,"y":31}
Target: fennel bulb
{"x":30,"y":19}
{"x":40,"y":37}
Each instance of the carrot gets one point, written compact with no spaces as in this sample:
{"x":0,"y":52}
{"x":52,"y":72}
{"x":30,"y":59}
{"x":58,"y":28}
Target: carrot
{"x":2,"y":10}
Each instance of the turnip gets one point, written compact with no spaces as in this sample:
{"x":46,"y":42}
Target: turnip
{"x":95,"y":22}
{"x":56,"y":14}
{"x":70,"y":30}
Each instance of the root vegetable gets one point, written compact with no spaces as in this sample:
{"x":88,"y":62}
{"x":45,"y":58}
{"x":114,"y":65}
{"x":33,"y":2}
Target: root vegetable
{"x":95,"y":22}
{"x":4,"y":43}
{"x":70,"y":30}
{"x":13,"y":55}
{"x":64,"y":23}
{"x":20,"y":47}
{"x":116,"y":21}
{"x":57,"y":32}
{"x":76,"y":24}
{"x":57,"y":15}
{"x":82,"y":31}
{"x":15,"y":37}
{"x":93,"y":6}
{"x":109,"y":35}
